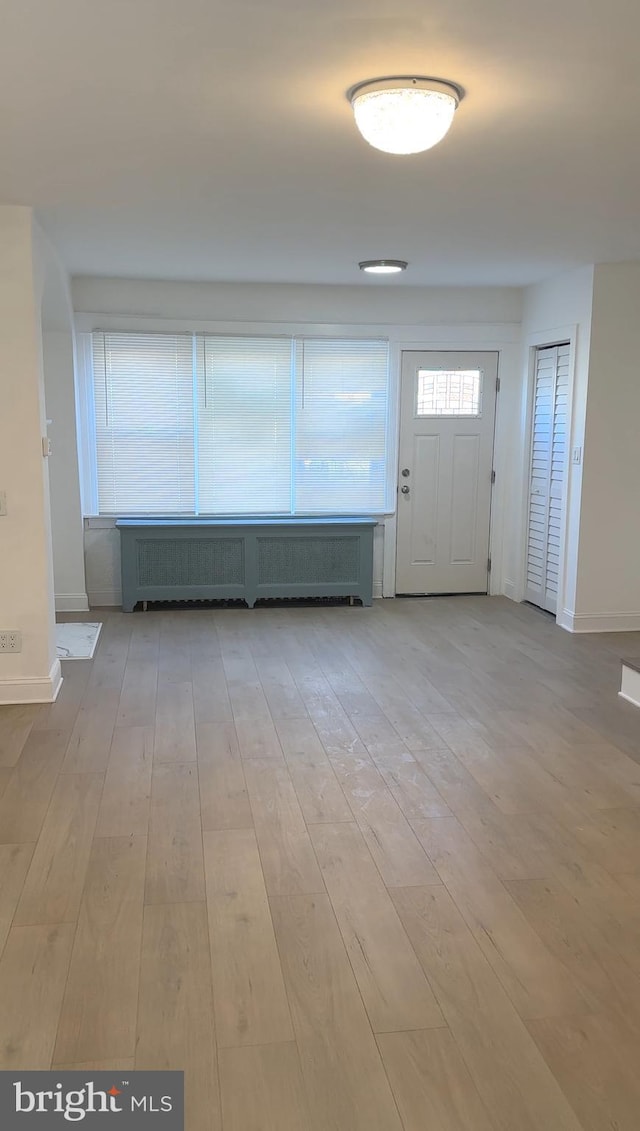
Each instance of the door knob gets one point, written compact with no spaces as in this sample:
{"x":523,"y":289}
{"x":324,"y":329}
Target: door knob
{"x":405,"y":471}
{"x":405,"y":490}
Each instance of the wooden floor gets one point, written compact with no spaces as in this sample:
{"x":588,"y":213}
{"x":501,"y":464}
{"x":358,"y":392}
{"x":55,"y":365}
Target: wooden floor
{"x":352,"y":869}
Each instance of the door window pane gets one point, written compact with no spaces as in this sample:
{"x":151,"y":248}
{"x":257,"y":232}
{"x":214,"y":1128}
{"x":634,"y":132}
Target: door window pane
{"x":449,"y":392}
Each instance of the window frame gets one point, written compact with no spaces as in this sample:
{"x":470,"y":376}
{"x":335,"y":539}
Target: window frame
{"x":448,"y":415}
{"x":87,"y":433}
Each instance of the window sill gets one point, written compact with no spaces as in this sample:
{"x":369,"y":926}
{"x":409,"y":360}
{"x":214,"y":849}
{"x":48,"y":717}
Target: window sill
{"x":99,"y":522}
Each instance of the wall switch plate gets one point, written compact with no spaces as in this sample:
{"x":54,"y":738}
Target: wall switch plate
{"x":46,"y":446}
{"x":10,"y":640}
{"x":3,"y":503}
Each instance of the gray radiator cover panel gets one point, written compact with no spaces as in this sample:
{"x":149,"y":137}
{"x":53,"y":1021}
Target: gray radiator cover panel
{"x":200,"y":559}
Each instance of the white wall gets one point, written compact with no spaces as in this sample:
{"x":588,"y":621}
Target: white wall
{"x":373,"y":304}
{"x":553,"y":310}
{"x":102,"y":558}
{"x":410,"y":317}
{"x":64,"y":482}
{"x":608,"y":588}
{"x":26,"y":573}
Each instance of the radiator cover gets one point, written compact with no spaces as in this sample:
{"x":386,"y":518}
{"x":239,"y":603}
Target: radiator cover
{"x":209,"y":559}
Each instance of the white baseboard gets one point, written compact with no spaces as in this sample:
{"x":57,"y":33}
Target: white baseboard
{"x":39,"y":690}
{"x":599,"y":622}
{"x":565,"y":619}
{"x":630,"y":686}
{"x":100,"y":598}
{"x":509,"y":589}
{"x":72,"y":603}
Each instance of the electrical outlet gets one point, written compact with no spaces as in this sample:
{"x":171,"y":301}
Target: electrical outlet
{"x":10,"y":641}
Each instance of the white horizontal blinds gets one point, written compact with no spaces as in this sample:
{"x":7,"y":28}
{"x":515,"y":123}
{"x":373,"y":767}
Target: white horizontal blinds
{"x":340,"y":426}
{"x":244,"y":425}
{"x":207,"y":424}
{"x":143,"y":400}
{"x":548,"y":461}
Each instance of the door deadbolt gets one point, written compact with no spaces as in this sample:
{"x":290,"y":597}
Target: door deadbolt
{"x":405,"y":472}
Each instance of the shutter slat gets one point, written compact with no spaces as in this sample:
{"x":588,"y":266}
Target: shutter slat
{"x":548,"y":464}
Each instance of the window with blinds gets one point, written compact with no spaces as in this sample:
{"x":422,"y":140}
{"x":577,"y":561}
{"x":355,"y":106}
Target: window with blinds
{"x":144,"y":423}
{"x":340,"y":426}
{"x":214,"y":425}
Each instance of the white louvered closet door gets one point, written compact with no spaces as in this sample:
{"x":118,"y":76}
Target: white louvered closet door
{"x":548,"y":463}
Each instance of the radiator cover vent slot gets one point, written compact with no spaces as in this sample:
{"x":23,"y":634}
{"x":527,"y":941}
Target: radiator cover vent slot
{"x":311,"y":561}
{"x":191,"y":561}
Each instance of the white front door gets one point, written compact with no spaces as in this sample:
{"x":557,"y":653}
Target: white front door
{"x":447,"y":413}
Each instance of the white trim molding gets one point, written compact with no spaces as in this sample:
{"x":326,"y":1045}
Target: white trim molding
{"x":104,"y":598}
{"x":630,"y":686}
{"x":599,"y":622}
{"x":72,"y":603}
{"x":40,"y":690}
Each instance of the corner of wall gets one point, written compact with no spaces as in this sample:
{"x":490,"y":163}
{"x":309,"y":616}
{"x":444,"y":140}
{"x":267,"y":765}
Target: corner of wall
{"x":566,"y":619}
{"x":72,"y":603}
{"x":509,"y":589}
{"x":27,"y":690}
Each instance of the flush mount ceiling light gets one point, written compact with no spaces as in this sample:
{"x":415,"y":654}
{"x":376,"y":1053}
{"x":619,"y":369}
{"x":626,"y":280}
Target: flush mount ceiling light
{"x":383,"y":266}
{"x":405,"y":113}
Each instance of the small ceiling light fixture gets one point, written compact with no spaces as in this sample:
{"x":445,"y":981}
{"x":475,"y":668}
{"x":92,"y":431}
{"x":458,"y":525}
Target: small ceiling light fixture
{"x":383,"y":266}
{"x":405,"y":113}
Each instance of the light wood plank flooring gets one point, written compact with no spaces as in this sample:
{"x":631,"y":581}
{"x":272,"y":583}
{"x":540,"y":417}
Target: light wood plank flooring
{"x":351,"y":869}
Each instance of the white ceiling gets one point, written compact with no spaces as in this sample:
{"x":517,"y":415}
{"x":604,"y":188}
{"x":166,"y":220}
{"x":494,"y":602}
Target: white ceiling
{"x":211,"y":139}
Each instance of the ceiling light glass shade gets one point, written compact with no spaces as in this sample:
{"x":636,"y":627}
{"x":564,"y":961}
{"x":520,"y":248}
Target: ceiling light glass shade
{"x":404,"y":115}
{"x":383,"y":266}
